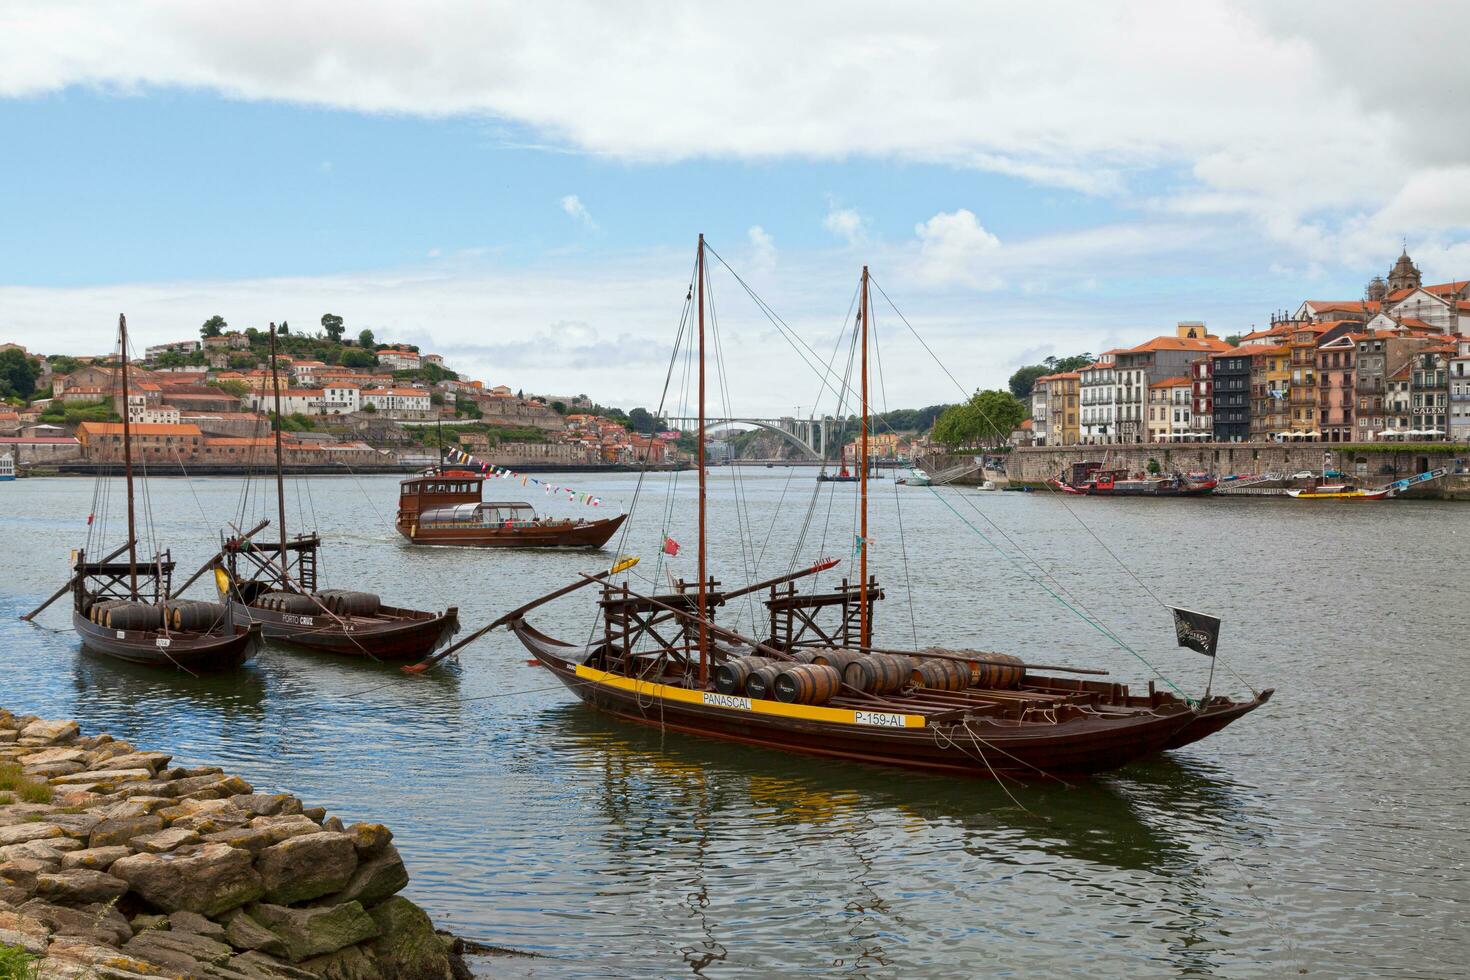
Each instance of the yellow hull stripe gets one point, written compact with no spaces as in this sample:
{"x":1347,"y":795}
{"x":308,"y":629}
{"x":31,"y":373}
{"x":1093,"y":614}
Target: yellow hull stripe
{"x":728,"y":702}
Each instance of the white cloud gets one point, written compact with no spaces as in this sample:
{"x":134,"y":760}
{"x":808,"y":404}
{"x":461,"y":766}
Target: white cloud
{"x":762,"y":247}
{"x":846,"y":223}
{"x":573,"y":206}
{"x":952,"y":247}
{"x":1253,"y":107}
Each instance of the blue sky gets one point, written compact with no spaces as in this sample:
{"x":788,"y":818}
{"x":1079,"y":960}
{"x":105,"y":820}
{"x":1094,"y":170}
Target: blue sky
{"x":520,"y":189}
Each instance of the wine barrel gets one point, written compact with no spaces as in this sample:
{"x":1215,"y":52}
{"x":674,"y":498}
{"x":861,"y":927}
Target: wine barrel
{"x":134,"y":616}
{"x":345,"y":602}
{"x":98,"y":612}
{"x":836,"y":657}
{"x":759,"y":682}
{"x":878,"y":673}
{"x":807,"y":684}
{"x":803,"y":656}
{"x":730,"y":676}
{"x":193,"y":616}
{"x":291,"y":602}
{"x":941,"y":675}
{"x":1000,"y":671}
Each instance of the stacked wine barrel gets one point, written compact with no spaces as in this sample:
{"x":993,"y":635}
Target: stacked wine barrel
{"x":730,"y":676}
{"x":999,"y":671}
{"x":192,"y":615}
{"x":878,"y":673}
{"x":345,"y":602}
{"x":97,"y":612}
{"x":807,"y":683}
{"x":131,"y":616}
{"x":288,"y":602}
{"x":778,"y":680}
{"x":941,"y":675}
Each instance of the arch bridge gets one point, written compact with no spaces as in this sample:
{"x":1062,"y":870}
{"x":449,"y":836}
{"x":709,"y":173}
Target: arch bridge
{"x":810,"y":436}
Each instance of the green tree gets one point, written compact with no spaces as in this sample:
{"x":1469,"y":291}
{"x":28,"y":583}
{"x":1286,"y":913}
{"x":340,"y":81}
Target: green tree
{"x":1234,"y":339}
{"x":332,"y":324}
{"x":213,"y":327}
{"x":987,"y":419}
{"x":642,"y":421}
{"x":559,"y":408}
{"x":18,"y":373}
{"x":359,"y":359}
{"x":1024,"y":380}
{"x":62,"y":364}
{"x":365,"y":339}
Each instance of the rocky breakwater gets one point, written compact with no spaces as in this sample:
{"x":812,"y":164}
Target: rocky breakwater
{"x":116,"y":864}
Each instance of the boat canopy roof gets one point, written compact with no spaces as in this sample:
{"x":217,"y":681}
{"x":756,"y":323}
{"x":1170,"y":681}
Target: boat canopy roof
{"x":480,"y":513}
{"x":427,"y":481}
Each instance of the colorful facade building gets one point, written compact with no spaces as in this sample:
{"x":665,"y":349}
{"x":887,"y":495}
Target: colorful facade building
{"x":1231,"y":384}
{"x":1337,"y":387}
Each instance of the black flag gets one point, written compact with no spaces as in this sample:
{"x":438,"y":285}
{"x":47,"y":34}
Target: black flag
{"x":1196,"y":630}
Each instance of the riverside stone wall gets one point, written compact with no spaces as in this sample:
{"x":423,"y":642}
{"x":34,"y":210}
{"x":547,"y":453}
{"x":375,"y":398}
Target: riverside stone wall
{"x":115,"y":864}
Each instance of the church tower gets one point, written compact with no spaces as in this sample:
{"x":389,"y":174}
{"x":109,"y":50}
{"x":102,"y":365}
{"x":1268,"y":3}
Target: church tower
{"x":1404,"y":274}
{"x":1377,"y":290}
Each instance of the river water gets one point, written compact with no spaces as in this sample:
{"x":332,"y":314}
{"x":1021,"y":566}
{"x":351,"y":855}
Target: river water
{"x":1325,"y":834}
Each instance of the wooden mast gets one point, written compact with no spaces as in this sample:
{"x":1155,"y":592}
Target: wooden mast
{"x":280,"y":481}
{"x":122,"y":334}
{"x":865,"y":638}
{"x":703,"y":600}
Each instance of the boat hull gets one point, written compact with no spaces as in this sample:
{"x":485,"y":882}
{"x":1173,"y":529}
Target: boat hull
{"x":592,"y":534}
{"x":981,"y":747}
{"x":393,"y":634}
{"x":192,"y":652}
{"x":1339,"y":495}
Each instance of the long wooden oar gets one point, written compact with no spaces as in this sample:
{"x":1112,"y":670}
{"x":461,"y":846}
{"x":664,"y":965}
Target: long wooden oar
{"x":515,"y":614}
{"x":214,"y":558}
{"x":67,"y":587}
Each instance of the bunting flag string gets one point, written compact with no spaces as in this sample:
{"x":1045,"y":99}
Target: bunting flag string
{"x":488,"y":470}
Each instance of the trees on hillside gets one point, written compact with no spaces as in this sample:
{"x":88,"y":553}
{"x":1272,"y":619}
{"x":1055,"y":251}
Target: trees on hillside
{"x":355,"y":358}
{"x":332,"y":324}
{"x":986,"y":420}
{"x":365,"y":340}
{"x":213,"y":327}
{"x":18,"y":374}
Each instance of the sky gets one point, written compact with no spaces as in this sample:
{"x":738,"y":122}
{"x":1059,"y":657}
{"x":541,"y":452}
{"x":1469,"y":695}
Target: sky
{"x":520,"y":187}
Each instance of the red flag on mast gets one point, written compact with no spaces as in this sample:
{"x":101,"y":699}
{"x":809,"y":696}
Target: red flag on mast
{"x":671,"y":547}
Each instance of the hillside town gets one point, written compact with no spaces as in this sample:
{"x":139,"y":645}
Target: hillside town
{"x":210,"y":402}
{"x":1392,"y":366}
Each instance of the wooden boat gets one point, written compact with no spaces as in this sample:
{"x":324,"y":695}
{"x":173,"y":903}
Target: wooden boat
{"x":824,"y":688}
{"x":1093,"y":480}
{"x":445,"y":507}
{"x":1386,"y":492}
{"x":274,"y":585}
{"x":122,"y":609}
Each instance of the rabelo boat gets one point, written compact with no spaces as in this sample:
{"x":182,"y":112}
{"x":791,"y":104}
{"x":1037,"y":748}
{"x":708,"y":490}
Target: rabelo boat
{"x":446,"y":507}
{"x":820,"y":684}
{"x":274,"y":585}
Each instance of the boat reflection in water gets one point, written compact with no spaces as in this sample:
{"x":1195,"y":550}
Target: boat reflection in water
{"x":682,"y":817}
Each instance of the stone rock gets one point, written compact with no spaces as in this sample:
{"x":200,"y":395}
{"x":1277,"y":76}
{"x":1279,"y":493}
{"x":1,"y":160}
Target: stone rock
{"x":34,"y":850}
{"x":185,"y":921}
{"x":334,"y":824}
{"x":209,"y":787}
{"x":375,"y":879}
{"x":48,"y":756}
{"x":95,"y":923}
{"x":72,"y":958}
{"x":211,"y":823}
{"x":122,"y":829}
{"x":22,"y":832}
{"x":267,"y":804}
{"x":46,"y":770}
{"x":152,"y":761}
{"x":103,"y":776}
{"x":178,"y":809}
{"x":316,"y":931}
{"x":27,"y":932}
{"x":212,"y":879}
{"x":77,"y":825}
{"x":94,"y":858}
{"x":17,"y":813}
{"x":243,"y":932}
{"x":259,"y":966}
{"x":80,"y":887}
{"x":182,"y":951}
{"x":305,"y":867}
{"x":369,"y":838}
{"x":49,"y":732}
{"x":351,"y":963}
{"x":263,"y":832}
{"x":406,"y":947}
{"x":315,"y":813}
{"x":163,"y":841}
{"x":22,"y":873}
{"x":147,"y":920}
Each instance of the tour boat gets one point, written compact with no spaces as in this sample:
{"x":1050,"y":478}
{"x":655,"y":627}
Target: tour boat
{"x":1093,"y":480}
{"x":1386,"y":492}
{"x":7,"y":468}
{"x":274,"y":585}
{"x":826,"y":688}
{"x":125,"y":609}
{"x":445,"y":507}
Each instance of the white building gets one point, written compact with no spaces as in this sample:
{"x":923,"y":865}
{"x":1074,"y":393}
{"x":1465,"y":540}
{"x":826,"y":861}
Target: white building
{"x":340,"y":398}
{"x":1096,"y":388}
{"x":399,"y":359}
{"x":304,"y":372}
{"x":397,"y":401}
{"x":1040,"y":414}
{"x":294,"y":401}
{"x":178,"y":346}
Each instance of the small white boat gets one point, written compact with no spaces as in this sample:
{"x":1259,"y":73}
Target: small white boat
{"x":987,"y":485}
{"x":916,"y":478}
